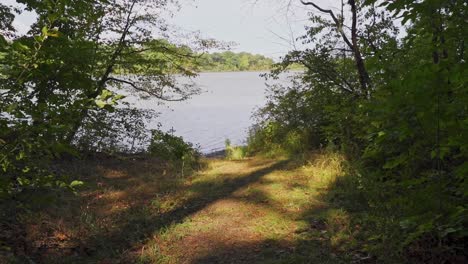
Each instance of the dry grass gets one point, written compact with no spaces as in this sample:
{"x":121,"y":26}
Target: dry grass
{"x":251,"y":211}
{"x":82,"y":226}
{"x":259,"y":222}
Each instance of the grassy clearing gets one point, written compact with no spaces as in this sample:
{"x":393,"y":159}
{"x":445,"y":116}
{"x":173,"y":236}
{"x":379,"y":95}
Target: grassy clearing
{"x":255,"y":210}
{"x":278,"y":217}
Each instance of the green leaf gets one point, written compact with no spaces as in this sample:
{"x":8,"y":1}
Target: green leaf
{"x":118,"y":97}
{"x":100,"y":103}
{"x":447,"y":231}
{"x":75,"y":184}
{"x":106,"y":94}
{"x":10,"y":108}
{"x":44,"y":31}
{"x":20,"y":46}
{"x":394,"y":162}
{"x":53,"y":33}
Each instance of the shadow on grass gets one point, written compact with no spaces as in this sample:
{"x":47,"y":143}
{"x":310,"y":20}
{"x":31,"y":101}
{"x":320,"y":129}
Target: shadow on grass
{"x":137,"y":221}
{"x":206,"y":193}
{"x":124,"y":230}
{"x":328,"y":236}
{"x":270,"y":251}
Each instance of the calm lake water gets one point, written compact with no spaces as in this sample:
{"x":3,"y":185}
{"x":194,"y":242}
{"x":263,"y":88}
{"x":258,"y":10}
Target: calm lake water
{"x":222,"y":111}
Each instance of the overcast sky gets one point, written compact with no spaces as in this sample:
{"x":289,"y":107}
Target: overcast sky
{"x":264,"y":26}
{"x":267,"y":27}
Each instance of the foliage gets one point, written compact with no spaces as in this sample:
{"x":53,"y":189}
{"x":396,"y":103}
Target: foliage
{"x":173,"y":148}
{"x":122,"y":130}
{"x":226,"y":61}
{"x":60,"y":81}
{"x":396,"y":105}
{"x":230,"y":61}
{"x":285,"y":125}
{"x":235,"y":152}
{"x":61,"y":89}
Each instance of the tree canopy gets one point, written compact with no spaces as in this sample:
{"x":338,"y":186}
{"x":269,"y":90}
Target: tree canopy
{"x":69,"y":67}
{"x":396,"y":103}
{"x":230,"y":61}
{"x":393,"y":99}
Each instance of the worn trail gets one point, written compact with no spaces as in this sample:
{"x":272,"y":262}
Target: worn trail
{"x":250,"y":211}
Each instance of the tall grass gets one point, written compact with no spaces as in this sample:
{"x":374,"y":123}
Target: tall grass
{"x":324,"y":167}
{"x":235,"y":152}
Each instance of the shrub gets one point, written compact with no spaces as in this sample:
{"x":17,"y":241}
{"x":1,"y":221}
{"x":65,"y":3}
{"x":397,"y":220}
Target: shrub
{"x":273,"y":139}
{"x":173,"y":148}
{"x":122,"y":130}
{"x":235,"y":152}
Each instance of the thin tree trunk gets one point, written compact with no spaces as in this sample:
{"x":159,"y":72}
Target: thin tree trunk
{"x":364,"y":79}
{"x":102,"y":81}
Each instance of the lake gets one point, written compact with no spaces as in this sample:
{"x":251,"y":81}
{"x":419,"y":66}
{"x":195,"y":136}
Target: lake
{"x":222,"y":111}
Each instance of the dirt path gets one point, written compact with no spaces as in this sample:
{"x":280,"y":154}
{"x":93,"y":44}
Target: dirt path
{"x":252,"y":211}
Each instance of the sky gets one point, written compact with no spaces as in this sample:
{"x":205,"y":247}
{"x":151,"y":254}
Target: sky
{"x":267,"y":27}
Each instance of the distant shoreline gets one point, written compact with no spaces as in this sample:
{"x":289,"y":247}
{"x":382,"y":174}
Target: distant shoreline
{"x":259,"y":71}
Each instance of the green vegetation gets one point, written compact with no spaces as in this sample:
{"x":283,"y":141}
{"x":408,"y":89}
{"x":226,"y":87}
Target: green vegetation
{"x":60,"y":85}
{"x":136,"y":209}
{"x":226,"y":61}
{"x":235,"y":152}
{"x":230,"y":61}
{"x":174,"y":149}
{"x":365,"y":154}
{"x":396,"y":107}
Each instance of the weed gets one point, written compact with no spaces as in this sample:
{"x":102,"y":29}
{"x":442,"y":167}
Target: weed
{"x":235,"y":152}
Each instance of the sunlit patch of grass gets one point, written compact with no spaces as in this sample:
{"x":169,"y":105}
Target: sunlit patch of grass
{"x":272,"y":208}
{"x":290,"y":190}
{"x":324,"y":168}
{"x":166,"y":202}
{"x":275,"y":186}
{"x":152,"y":253}
{"x":236,"y":152}
{"x":273,"y":226}
{"x":252,"y":194}
{"x":219,"y":167}
{"x":335,"y":226}
{"x":178,"y":231}
{"x":228,"y":202}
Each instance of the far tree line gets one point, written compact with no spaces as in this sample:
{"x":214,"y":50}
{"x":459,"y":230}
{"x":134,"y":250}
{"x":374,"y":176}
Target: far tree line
{"x":231,"y":61}
{"x":222,"y":61}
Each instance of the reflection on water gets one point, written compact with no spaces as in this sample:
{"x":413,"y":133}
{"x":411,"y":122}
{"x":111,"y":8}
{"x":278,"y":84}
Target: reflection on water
{"x":222,"y":111}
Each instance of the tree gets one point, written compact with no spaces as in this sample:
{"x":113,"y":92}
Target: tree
{"x":73,"y":60}
{"x":352,"y":44}
{"x":395,"y":104}
{"x":230,"y":61}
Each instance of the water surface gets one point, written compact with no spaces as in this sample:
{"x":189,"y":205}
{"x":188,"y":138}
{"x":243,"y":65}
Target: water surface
{"x":222,"y":111}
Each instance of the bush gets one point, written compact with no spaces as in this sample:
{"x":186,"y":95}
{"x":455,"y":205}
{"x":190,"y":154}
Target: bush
{"x":272,"y":139}
{"x":175,"y":149}
{"x":235,"y":152}
{"x":404,"y":129}
{"x":122,"y":130}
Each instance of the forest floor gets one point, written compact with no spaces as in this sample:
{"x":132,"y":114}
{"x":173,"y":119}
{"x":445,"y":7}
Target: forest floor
{"x":255,"y":210}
